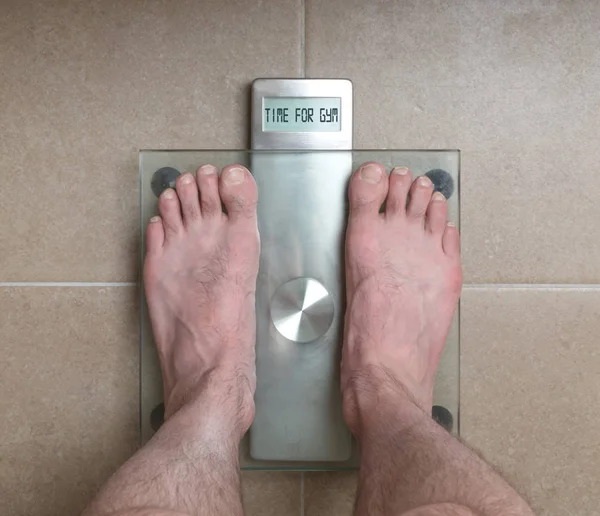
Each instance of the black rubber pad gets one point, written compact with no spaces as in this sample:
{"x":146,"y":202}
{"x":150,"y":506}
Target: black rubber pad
{"x":443,"y":416}
{"x":442,"y":182}
{"x":163,"y":178}
{"x":157,"y":416}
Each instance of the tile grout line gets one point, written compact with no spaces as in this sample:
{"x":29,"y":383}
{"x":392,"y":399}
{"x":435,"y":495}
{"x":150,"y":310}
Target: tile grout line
{"x":66,"y":284}
{"x":302,"y":493}
{"x":303,"y":38}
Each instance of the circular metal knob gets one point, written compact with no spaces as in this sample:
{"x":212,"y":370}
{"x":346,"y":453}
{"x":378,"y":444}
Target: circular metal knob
{"x":302,"y":310}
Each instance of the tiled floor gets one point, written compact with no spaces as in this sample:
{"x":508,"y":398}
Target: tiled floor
{"x":69,"y":384}
{"x":515,"y":85}
{"x":530,"y":393}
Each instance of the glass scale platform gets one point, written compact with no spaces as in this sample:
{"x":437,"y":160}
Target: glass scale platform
{"x":302,"y":213}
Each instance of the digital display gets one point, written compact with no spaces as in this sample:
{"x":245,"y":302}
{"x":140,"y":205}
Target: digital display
{"x":302,"y":114}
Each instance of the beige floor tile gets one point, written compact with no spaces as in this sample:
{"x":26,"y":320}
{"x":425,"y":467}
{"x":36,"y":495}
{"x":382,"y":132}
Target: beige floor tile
{"x":59,"y":474}
{"x":85,"y":85}
{"x":328,"y":493}
{"x":69,"y":404}
{"x":529,"y":391}
{"x":532,"y":227}
{"x":267,"y":493}
{"x":514,"y":86}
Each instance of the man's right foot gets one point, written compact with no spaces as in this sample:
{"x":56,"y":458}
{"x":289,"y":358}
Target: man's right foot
{"x":200,"y":278}
{"x":403,"y":278}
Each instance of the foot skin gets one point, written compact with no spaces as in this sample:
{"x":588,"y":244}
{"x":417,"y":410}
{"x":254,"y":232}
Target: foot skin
{"x":403,"y":277}
{"x":200,"y":279}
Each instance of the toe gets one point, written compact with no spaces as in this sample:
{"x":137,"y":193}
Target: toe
{"x":420,"y":195}
{"x":238,"y":192}
{"x":451,"y":241}
{"x":207,"y":177}
{"x":187,"y":191}
{"x":170,"y":211}
{"x":400,"y":181}
{"x":367,"y":190}
{"x":437,"y":213}
{"x":155,"y":236}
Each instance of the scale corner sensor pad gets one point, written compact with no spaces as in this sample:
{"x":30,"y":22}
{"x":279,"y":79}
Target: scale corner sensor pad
{"x":301,"y":157}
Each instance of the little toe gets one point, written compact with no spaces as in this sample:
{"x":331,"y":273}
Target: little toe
{"x":451,"y":241}
{"x":238,"y":192}
{"x":207,"y":177}
{"x":170,"y":211}
{"x":367,"y":190}
{"x":420,"y":195}
{"x":187,"y":191}
{"x":437,"y":214}
{"x":400,"y":181}
{"x":155,"y":235}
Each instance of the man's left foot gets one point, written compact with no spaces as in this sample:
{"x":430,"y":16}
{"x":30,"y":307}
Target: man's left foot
{"x":403,"y":280}
{"x":200,"y":279}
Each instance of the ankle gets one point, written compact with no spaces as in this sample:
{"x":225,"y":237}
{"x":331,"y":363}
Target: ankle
{"x":201,"y":437}
{"x":376,"y":403}
{"x":214,"y":406}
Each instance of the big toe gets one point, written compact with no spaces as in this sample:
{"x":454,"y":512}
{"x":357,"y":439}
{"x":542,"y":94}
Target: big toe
{"x":238,"y":192}
{"x":367,"y":190}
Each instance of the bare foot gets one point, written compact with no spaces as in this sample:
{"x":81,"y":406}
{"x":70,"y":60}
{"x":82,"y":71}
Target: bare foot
{"x":200,"y":279}
{"x":403,"y":279}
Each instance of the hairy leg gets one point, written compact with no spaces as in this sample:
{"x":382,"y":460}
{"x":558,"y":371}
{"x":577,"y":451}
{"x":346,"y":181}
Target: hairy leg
{"x":404,"y":278}
{"x":200,"y":279}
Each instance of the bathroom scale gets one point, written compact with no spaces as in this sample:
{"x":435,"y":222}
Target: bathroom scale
{"x":301,"y":157}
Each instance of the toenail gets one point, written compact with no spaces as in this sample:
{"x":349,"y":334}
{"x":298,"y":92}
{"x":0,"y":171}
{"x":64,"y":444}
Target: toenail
{"x":424,"y":181}
{"x":451,"y":224}
{"x":154,"y":219}
{"x":186,"y":179}
{"x":401,"y":171}
{"x":168,"y":194}
{"x":235,"y":176}
{"x":207,"y":170}
{"x":370,"y":173}
{"x":438,"y":196}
